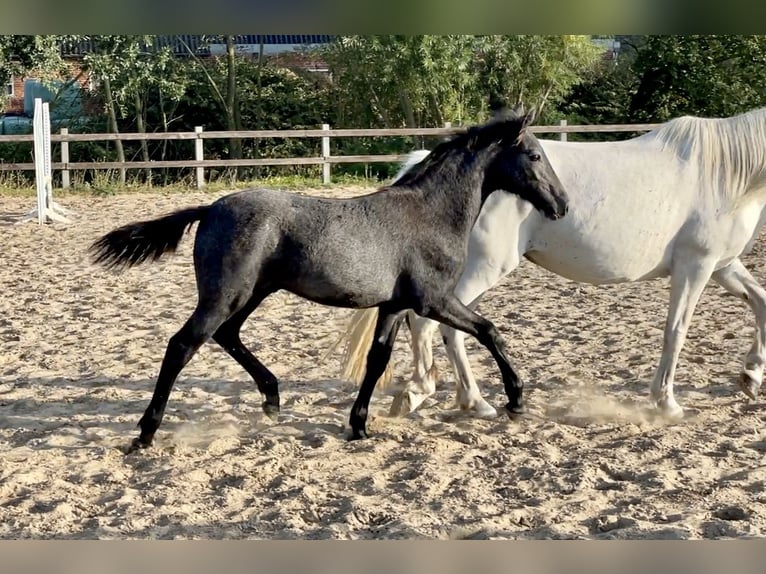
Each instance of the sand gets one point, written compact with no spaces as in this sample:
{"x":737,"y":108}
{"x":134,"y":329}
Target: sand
{"x":80,"y":347}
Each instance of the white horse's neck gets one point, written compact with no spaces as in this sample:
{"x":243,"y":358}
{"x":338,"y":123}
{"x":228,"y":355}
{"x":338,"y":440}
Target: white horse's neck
{"x":730,"y":153}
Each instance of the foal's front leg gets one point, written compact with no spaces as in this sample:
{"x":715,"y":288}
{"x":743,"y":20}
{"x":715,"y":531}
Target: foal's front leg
{"x":378,"y":356}
{"x":455,"y":314}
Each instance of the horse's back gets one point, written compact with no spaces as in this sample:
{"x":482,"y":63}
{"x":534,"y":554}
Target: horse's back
{"x":331,"y":251}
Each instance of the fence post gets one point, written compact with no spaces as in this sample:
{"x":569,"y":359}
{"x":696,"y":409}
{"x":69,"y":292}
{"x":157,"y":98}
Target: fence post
{"x":64,"y":159}
{"x":41,"y":134}
{"x":325,"y":155}
{"x":199,"y":155}
{"x":563,"y":135}
{"x":40,"y":162}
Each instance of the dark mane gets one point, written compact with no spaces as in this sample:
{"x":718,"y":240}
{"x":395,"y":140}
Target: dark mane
{"x":504,"y":125}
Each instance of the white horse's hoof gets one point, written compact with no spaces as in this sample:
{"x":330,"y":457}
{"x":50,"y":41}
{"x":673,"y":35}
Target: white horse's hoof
{"x":480,"y":409}
{"x":749,"y":384}
{"x":671,"y":411}
{"x":405,"y":402}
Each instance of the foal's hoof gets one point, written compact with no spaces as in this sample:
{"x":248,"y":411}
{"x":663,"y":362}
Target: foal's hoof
{"x":270,"y":410}
{"x":358,"y":434}
{"x":749,"y":385}
{"x":138,"y":444}
{"x":514,"y":411}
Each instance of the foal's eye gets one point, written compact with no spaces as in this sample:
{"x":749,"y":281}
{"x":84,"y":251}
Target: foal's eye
{"x":534,"y":156}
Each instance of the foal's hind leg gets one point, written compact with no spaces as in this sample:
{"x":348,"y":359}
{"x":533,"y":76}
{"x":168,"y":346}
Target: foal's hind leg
{"x":378,"y":356}
{"x":181,"y":347}
{"x":228,"y":337}
{"x":456,"y":315}
{"x":738,"y":281}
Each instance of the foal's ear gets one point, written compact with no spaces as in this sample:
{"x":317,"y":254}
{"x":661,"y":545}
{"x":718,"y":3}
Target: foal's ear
{"x":524,"y":122}
{"x":530,"y":117}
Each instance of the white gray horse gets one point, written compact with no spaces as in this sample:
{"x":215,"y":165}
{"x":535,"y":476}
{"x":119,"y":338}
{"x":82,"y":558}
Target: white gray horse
{"x":401,"y":247}
{"x":685,"y":200}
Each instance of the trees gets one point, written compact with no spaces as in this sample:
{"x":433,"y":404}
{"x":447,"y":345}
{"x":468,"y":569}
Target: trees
{"x":603,"y":96}
{"x":408,"y":81}
{"x":229,"y":97}
{"x":533,"y":70}
{"x":392,"y":81}
{"x":270,"y":97}
{"x":657,"y":78}
{"x":41,"y":55}
{"x":396,"y":81}
{"x":716,"y":75}
{"x":129,"y":69}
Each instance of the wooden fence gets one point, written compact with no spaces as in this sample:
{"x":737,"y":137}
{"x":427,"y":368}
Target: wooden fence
{"x":326,"y":160}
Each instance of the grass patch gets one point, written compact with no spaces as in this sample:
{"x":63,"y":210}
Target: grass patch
{"x":105,"y":183}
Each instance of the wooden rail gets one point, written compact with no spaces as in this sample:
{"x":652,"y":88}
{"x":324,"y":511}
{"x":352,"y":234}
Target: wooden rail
{"x":326,"y":160}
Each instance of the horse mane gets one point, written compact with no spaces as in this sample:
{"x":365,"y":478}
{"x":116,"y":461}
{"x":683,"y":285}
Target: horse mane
{"x":504,"y":126}
{"x":413,"y":158}
{"x":730,"y":152}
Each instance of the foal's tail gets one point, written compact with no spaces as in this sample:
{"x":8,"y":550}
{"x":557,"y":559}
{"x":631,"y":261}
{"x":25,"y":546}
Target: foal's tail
{"x":138,"y":242}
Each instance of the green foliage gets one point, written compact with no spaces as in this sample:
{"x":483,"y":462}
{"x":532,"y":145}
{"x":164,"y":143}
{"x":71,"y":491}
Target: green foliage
{"x":657,"y":78}
{"x":405,"y":81}
{"x":603,"y":97}
{"x":23,"y":54}
{"x":394,"y":81}
{"x":533,"y":70}
{"x":20,"y":54}
{"x":718,"y":75}
{"x":135,"y":68}
{"x":271,"y":98}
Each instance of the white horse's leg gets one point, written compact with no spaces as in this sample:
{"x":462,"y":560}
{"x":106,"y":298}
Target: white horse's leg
{"x":738,"y":281}
{"x":423,"y":383}
{"x":688,"y":278}
{"x":468,"y":394}
{"x":425,"y":372}
{"x":481,"y":275}
{"x":495,"y":247}
{"x":476,"y":280}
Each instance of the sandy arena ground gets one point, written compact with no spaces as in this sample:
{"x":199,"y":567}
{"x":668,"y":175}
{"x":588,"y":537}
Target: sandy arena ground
{"x":80,"y":348}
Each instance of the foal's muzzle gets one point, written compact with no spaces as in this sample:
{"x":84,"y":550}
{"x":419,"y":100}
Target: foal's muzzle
{"x":562,"y":205}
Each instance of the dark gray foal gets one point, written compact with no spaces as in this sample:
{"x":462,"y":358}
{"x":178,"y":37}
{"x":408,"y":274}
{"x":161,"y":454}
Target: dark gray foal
{"x":401,"y":247}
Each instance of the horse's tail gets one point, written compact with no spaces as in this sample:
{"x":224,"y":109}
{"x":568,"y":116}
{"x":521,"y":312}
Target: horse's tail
{"x":138,"y":242}
{"x":358,"y":339}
